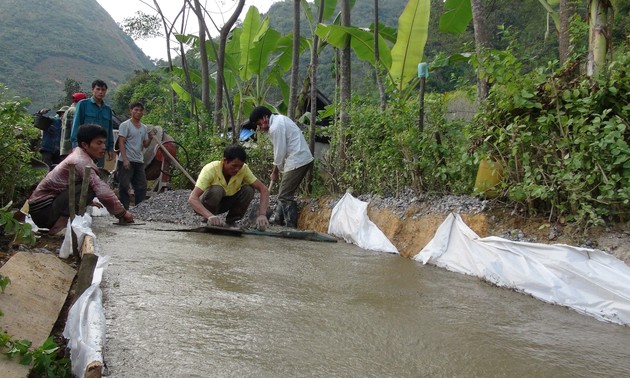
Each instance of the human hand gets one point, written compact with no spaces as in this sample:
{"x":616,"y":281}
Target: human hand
{"x":153,"y":132}
{"x":274,"y":176}
{"x":111,"y":155}
{"x":126,"y":163}
{"x":127,"y":217}
{"x":97,"y":204}
{"x":214,"y":220}
{"x":261,"y":222}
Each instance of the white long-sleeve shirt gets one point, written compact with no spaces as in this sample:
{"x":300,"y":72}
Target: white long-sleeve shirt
{"x":290,"y":150}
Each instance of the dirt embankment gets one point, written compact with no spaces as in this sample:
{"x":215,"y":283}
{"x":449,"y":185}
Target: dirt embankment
{"x":410,"y":224}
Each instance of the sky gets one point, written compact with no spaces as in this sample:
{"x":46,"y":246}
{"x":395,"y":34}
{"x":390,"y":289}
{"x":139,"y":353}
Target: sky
{"x":155,"y":48}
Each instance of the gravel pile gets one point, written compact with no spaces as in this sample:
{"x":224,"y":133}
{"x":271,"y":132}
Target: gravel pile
{"x":172,"y":206}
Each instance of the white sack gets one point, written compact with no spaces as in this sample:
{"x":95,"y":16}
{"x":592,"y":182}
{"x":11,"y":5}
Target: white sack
{"x":589,"y":281}
{"x":85,"y":330}
{"x":97,"y":211}
{"x":85,"y":325}
{"x":349,"y":220}
{"x":82,"y":225}
{"x":66,"y":246}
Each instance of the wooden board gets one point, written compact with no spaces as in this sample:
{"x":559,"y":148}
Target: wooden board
{"x":293,"y":234}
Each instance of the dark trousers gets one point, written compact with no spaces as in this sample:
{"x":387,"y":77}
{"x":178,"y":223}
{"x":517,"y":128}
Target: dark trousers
{"x":290,"y":182}
{"x":50,"y":158}
{"x":60,"y":206}
{"x":133,"y":177}
{"x":215,"y":200}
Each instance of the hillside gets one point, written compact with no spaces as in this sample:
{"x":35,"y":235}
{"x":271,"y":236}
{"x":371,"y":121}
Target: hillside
{"x":46,"y":42}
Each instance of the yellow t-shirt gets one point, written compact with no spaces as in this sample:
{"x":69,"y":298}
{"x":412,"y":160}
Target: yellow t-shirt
{"x":212,"y":174}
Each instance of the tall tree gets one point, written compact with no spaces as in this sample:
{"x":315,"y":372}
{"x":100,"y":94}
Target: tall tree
{"x":567,"y":10}
{"x":344,"y":83}
{"x":223,"y":36}
{"x":295,"y":62}
{"x":377,"y":58}
{"x":482,"y":41}
{"x":203,"y":55}
{"x":599,"y":37}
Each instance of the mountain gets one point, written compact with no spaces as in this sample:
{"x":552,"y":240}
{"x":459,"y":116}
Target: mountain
{"x":45,"y":42}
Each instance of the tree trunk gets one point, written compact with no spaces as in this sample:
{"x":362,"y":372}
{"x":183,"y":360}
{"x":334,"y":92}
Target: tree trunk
{"x":295,"y":63}
{"x":482,"y":41}
{"x":205,"y":73}
{"x":223,"y":35}
{"x":377,"y":65}
{"x":345,"y":82}
{"x":599,"y":40}
{"x":567,"y":10}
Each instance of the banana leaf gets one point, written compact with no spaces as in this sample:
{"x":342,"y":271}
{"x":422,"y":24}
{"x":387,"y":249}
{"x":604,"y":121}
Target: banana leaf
{"x":413,"y":29}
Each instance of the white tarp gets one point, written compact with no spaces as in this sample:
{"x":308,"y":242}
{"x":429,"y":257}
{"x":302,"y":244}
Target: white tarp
{"x":589,"y":281}
{"x":349,"y":220}
{"x":85,"y":325}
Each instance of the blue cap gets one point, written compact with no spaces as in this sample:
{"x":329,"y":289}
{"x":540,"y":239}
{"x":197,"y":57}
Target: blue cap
{"x":245,"y":134}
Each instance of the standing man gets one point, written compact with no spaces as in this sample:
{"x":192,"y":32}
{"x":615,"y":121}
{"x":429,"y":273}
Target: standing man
{"x":94,"y":110}
{"x":65,"y":146}
{"x":132,"y":137}
{"x":49,"y":203}
{"x":291,"y":156}
{"x":50,"y":139}
{"x":228,"y":185}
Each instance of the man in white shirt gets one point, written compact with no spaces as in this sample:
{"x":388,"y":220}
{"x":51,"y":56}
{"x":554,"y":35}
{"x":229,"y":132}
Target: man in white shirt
{"x":291,"y":156}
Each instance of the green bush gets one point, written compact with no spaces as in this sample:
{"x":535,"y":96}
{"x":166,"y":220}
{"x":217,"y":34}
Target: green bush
{"x":18,"y":141}
{"x":564,"y":141}
{"x":387,"y":154}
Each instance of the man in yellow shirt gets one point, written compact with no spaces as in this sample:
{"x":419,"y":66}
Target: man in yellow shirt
{"x":228,"y":185}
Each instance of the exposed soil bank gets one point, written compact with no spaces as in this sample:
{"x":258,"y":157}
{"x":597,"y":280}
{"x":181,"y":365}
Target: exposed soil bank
{"x":411,"y":221}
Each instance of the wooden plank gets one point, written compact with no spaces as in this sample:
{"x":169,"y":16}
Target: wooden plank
{"x":33,"y":300}
{"x":293,"y":234}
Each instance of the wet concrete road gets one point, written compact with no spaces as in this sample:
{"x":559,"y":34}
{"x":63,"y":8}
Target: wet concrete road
{"x":199,"y":305}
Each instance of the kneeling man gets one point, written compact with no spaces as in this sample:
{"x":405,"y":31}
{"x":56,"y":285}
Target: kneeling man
{"x":228,"y":185}
{"x":49,"y":203}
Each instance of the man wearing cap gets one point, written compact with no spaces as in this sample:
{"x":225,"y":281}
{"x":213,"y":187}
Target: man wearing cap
{"x":66,"y":125}
{"x":50,"y":139}
{"x":94,"y":110}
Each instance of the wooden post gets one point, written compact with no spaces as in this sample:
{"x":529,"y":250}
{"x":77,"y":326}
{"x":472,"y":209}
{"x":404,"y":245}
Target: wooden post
{"x":71,"y":190}
{"x":172,"y":159}
{"x":85,"y":184}
{"x":422,"y":74}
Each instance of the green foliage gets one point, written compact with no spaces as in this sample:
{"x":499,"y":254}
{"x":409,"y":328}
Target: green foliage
{"x":386,"y":153}
{"x":564,"y":140}
{"x":4,"y":282}
{"x":18,"y":140}
{"x":43,"y":359}
{"x":8,"y":225}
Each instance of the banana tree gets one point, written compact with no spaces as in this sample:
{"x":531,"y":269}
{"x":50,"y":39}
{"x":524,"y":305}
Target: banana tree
{"x":401,"y":60}
{"x":255,"y":61}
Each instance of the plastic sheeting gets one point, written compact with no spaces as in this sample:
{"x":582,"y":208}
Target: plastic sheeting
{"x":589,"y":281}
{"x":85,"y":325}
{"x":349,"y":220}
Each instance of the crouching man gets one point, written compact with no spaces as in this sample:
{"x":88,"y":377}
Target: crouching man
{"x":228,"y":185}
{"x":49,"y":203}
